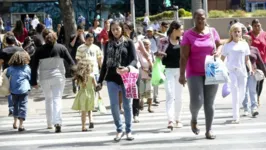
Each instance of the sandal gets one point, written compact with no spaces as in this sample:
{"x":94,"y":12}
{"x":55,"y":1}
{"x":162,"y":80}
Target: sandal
{"x":209,"y":135}
{"x":119,"y":137}
{"x":84,"y":130}
{"x":21,"y":129}
{"x":14,"y":126}
{"x":194,"y":127}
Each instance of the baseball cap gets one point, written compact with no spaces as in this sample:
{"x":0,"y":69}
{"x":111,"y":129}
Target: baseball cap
{"x":150,"y":28}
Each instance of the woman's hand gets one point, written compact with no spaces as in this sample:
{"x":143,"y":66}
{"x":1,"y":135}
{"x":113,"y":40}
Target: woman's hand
{"x":122,"y":70}
{"x":98,"y":87}
{"x":182,"y":80}
{"x":251,"y":72}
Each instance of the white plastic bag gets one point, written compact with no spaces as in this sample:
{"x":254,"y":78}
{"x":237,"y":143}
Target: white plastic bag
{"x":215,"y":71}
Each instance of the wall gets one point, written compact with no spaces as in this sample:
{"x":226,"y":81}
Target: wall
{"x":219,"y":4}
{"x":221,"y":24}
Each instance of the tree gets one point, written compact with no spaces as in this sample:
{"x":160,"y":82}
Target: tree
{"x":196,"y":4}
{"x":67,"y":12}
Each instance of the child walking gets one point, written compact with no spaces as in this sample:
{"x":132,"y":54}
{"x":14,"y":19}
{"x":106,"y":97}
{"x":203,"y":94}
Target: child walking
{"x":19,"y":75}
{"x":84,"y":100}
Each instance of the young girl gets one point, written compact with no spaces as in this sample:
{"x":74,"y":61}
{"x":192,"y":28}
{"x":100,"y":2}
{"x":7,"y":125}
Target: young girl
{"x":237,"y":52}
{"x":84,"y":100}
{"x":19,"y":75}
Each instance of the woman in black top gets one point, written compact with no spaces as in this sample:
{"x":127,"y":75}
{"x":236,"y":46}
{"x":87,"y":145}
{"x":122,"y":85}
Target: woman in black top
{"x":119,"y":58}
{"x":49,"y":58}
{"x":171,"y":46}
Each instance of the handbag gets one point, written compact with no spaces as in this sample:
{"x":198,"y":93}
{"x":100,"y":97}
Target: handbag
{"x":259,"y":75}
{"x":4,"y":84}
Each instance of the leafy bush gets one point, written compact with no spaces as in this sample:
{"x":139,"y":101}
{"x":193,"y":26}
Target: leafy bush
{"x":188,"y":14}
{"x":181,"y":12}
{"x":239,"y":13}
{"x":165,"y":14}
{"x":230,"y":11}
{"x":217,"y":14}
{"x":259,"y":13}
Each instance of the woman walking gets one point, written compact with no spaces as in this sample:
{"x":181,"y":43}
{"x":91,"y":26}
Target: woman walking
{"x":256,"y":62}
{"x":119,"y":57}
{"x":171,"y":46}
{"x":259,"y":41}
{"x":52,"y":77}
{"x":20,"y":31}
{"x":237,"y":53}
{"x":196,"y":44}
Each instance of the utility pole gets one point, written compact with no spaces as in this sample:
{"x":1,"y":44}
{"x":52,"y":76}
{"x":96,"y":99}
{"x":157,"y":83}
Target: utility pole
{"x":132,"y":8}
{"x":205,"y":7}
{"x":147,"y":7}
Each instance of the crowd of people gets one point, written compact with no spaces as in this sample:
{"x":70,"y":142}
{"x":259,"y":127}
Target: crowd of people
{"x":105,"y":54}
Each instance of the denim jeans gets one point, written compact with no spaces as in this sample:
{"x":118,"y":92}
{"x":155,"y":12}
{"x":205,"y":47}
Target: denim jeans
{"x":53,"y":92}
{"x":10,"y":103}
{"x":113,"y":90}
{"x":251,"y":91}
{"x":20,"y":105}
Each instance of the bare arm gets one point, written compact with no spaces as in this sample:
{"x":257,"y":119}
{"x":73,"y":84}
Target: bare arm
{"x":184,"y":54}
{"x":249,"y":64}
{"x":74,"y":41}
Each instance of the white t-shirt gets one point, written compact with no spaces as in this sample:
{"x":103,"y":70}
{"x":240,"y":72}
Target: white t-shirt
{"x":147,"y":19}
{"x":156,"y":26}
{"x":236,"y":53}
{"x":91,"y":53}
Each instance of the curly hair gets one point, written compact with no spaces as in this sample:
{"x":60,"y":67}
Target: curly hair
{"x":82,"y":72}
{"x":20,"y":58}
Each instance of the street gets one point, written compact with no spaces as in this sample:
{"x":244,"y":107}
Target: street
{"x":150,"y":134}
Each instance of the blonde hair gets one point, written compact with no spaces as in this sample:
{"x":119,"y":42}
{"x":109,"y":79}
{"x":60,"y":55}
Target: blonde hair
{"x":20,"y":58}
{"x":147,"y":41}
{"x":82,"y":71}
{"x":232,"y":29}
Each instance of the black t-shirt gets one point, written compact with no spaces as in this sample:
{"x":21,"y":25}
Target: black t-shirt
{"x":173,"y":56}
{"x":6,"y":54}
{"x":76,"y":45}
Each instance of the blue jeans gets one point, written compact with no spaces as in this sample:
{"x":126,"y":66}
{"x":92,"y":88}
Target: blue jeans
{"x":113,"y":90}
{"x":20,"y":105}
{"x":251,"y":91}
{"x":10,"y":103}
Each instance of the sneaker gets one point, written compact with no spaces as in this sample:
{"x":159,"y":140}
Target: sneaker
{"x":255,"y":113}
{"x":57,"y":128}
{"x":178,"y":125}
{"x":136,"y":119}
{"x":246,"y":113}
{"x":235,"y":122}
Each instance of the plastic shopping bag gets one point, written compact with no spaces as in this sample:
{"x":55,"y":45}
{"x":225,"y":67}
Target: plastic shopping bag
{"x":101,"y":106}
{"x":215,"y":71}
{"x":226,"y":90}
{"x":130,"y":83}
{"x":158,"y":76}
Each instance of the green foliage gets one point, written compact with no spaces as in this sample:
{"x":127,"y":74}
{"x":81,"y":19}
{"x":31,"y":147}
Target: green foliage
{"x":218,"y":14}
{"x":181,"y":12}
{"x":165,"y":14}
{"x":259,"y":13}
{"x":239,"y":13}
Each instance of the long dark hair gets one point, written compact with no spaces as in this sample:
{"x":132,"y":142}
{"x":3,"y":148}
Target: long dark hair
{"x":131,"y":27}
{"x":174,"y":25}
{"x":18,"y":30}
{"x":110,"y":34}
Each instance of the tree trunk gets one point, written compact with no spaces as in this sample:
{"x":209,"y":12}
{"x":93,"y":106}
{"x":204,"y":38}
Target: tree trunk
{"x":196,"y":4}
{"x":67,"y":12}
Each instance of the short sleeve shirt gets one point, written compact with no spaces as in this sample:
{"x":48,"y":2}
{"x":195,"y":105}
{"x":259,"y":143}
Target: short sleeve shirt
{"x":200,"y":47}
{"x":235,"y":54}
{"x":90,"y":53}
